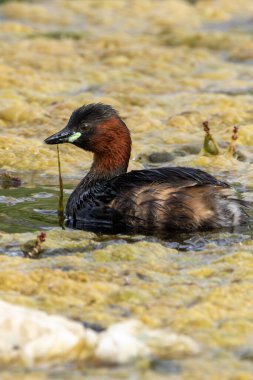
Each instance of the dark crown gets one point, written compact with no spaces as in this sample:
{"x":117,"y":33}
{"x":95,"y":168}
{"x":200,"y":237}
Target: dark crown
{"x":91,"y":113}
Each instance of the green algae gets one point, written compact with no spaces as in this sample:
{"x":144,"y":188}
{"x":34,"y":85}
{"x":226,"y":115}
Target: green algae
{"x":6,"y":1}
{"x":166,"y":72}
{"x":60,"y":35}
{"x":105,"y":286}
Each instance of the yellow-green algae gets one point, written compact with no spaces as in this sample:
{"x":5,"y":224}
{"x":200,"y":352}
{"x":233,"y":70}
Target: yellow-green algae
{"x":166,"y":66}
{"x":208,"y":299}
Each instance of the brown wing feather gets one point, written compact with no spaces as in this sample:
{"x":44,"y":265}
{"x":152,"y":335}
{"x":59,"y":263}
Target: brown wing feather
{"x":157,"y":206}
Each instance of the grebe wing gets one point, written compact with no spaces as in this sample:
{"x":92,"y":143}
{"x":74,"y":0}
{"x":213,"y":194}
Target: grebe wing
{"x":172,"y":176}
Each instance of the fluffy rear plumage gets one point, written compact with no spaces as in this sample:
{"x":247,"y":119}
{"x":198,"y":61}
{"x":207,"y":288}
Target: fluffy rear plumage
{"x":165,"y":199}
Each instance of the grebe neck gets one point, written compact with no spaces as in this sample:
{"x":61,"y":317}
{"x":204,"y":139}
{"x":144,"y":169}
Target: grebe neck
{"x":111,"y":151}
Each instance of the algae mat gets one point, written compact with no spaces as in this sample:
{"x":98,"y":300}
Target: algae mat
{"x":166,"y":66}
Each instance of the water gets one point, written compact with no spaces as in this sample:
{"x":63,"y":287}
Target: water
{"x":28,"y":209}
{"x":166,"y":68}
{"x":34,"y":208}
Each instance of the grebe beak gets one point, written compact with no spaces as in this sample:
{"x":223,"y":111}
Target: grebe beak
{"x":63,"y":136}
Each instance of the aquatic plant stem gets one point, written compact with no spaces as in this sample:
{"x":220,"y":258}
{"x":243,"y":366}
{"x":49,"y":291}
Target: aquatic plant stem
{"x":60,"y":203}
{"x":32,"y":249}
{"x":210,"y":145}
{"x":232,"y":146}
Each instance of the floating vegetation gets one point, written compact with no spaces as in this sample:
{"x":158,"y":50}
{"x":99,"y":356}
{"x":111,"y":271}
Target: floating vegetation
{"x":60,"y":35}
{"x":32,"y":249}
{"x":162,"y":73}
{"x":7,"y":1}
{"x":232,"y":146}
{"x":210,"y":145}
{"x":7,"y":180}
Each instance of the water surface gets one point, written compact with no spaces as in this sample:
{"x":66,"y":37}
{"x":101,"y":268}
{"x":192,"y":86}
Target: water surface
{"x":166,"y":68}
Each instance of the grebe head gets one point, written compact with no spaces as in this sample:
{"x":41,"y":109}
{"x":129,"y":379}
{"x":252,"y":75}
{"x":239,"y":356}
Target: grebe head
{"x":99,"y":129}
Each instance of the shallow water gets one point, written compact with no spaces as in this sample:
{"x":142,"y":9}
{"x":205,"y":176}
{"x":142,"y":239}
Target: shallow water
{"x":24,"y":210}
{"x":166,"y":70}
{"x":32,"y":208}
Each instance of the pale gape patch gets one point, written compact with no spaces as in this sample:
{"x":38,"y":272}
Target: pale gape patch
{"x":74,"y":137}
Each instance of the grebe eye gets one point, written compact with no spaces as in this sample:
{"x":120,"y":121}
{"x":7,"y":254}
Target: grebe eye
{"x":84,"y":125}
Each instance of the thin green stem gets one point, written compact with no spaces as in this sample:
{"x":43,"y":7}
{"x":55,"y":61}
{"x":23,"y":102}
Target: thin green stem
{"x":60,"y":203}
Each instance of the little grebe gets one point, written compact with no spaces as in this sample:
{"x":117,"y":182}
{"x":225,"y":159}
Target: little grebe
{"x":152,"y":200}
